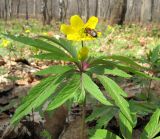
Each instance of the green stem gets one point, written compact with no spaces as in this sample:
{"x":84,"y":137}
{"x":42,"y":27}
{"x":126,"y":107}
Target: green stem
{"x":81,"y":62}
{"x":82,"y":44}
{"x":83,"y":135}
{"x":149,"y":89}
{"x":83,"y":125}
{"x":33,"y":134}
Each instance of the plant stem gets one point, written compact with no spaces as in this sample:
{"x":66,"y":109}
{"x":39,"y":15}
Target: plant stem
{"x":83,"y":133}
{"x":149,"y":89}
{"x":33,"y":134}
{"x":82,"y":44}
{"x":83,"y":125}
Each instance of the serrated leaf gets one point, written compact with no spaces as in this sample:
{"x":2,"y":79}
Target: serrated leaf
{"x":36,"y":96}
{"x":125,"y":60}
{"x":125,"y":126}
{"x":66,"y":93}
{"x":80,"y":95}
{"x":97,"y":112}
{"x":114,"y":86}
{"x":35,"y":42}
{"x":103,"y":115}
{"x":104,"y":134}
{"x":117,"y":72}
{"x":69,"y":47}
{"x":64,"y":44}
{"x":106,"y":117}
{"x":93,"y":89}
{"x":136,"y":72}
{"x":142,"y":108}
{"x":157,"y":137}
{"x":53,"y":56}
{"x":155,"y":54}
{"x":100,"y":61}
{"x":153,"y":126}
{"x":56,"y":69}
{"x":117,"y":95}
{"x":112,"y":71}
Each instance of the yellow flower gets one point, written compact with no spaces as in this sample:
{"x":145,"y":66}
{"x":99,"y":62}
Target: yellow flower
{"x":83,"y":53}
{"x":110,"y":28}
{"x":27,"y":31}
{"x":5,"y":42}
{"x":45,"y":33}
{"x":77,"y":30}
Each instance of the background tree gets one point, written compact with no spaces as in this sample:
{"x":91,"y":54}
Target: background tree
{"x":114,"y":11}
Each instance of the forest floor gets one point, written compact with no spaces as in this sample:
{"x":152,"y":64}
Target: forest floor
{"x":17,"y":68}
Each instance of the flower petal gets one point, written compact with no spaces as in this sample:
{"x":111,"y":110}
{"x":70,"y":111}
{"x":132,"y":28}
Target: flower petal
{"x":92,"y":22}
{"x":66,"y":29}
{"x":76,"y":22}
{"x":74,"y":37}
{"x":77,"y":37}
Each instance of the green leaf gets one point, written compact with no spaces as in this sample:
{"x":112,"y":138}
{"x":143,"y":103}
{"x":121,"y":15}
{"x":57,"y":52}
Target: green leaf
{"x":153,"y":126}
{"x":157,"y":137}
{"x":155,"y":54}
{"x":80,"y":95}
{"x":37,"y":96}
{"x":36,"y":43}
{"x":97,"y":112}
{"x":53,"y":56}
{"x":117,"y":72}
{"x":125,"y":126}
{"x":107,"y":116}
{"x":64,"y":44}
{"x":125,"y":60}
{"x":117,"y":95}
{"x":142,"y":107}
{"x":56,"y":69}
{"x":66,"y":93}
{"x":69,"y":47}
{"x":104,"y":134}
{"x":100,"y":61}
{"x":105,"y":70}
{"x":93,"y":89}
{"x":136,"y":72}
{"x":103,"y":115}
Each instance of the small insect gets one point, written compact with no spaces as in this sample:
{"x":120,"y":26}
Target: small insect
{"x":91,"y":32}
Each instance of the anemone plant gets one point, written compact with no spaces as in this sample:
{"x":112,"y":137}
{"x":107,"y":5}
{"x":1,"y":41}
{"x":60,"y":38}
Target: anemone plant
{"x":73,"y":81}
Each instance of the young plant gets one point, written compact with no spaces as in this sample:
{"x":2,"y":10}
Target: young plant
{"x":72,"y":82}
{"x":150,"y":131}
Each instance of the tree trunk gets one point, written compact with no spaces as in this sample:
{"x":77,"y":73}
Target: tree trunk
{"x":6,"y":11}
{"x":123,"y":14}
{"x":34,"y":8}
{"x":79,"y":4}
{"x":87,"y":10}
{"x":146,"y":11}
{"x":44,"y":11}
{"x":61,"y":10}
{"x":27,"y":16}
{"x":119,"y":11}
{"x":17,"y":10}
{"x":96,"y":8}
